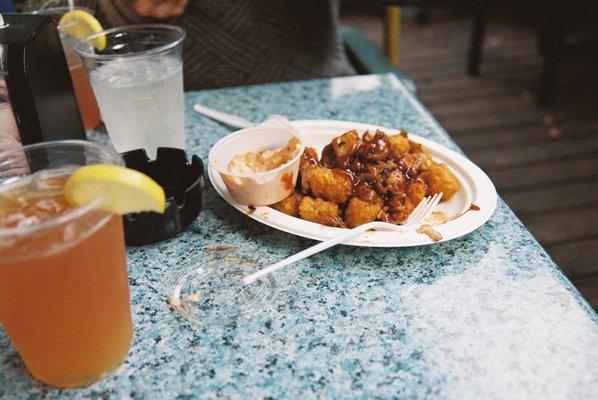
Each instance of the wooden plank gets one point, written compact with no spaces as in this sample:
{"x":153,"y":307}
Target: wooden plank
{"x":456,"y":38}
{"x":449,"y":60}
{"x":481,"y":123}
{"x":453,"y":55}
{"x":521,"y":77}
{"x":487,"y":121}
{"x":494,"y":158}
{"x":433,"y":98}
{"x":537,"y":202}
{"x":452,"y":77}
{"x":585,"y":119}
{"x":544,"y":160}
{"x":522,"y":135}
{"x":578,"y":258}
{"x":587,"y":288}
{"x":493,"y":107}
{"x":566,"y":93}
{"x":514,"y":83}
{"x":498,"y":122}
{"x":563,"y":227}
{"x":544,"y":175}
{"x":508,"y":71}
{"x":494,"y":120}
{"x":500,"y":106}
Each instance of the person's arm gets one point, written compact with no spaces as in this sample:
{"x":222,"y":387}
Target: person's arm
{"x":159,"y":9}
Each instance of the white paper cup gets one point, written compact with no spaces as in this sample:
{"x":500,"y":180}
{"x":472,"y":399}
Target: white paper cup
{"x":264,"y":188}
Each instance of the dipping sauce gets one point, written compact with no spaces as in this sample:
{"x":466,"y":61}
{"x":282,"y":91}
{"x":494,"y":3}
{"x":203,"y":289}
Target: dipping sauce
{"x":253,"y":162}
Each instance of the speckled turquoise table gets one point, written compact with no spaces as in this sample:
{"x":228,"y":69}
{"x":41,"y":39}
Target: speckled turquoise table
{"x":485,"y":316}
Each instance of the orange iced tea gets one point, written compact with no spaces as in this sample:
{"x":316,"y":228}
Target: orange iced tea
{"x":64,"y":293}
{"x":86,"y":101}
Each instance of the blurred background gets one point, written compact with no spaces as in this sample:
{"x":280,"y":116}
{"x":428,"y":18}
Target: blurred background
{"x":515,"y":83}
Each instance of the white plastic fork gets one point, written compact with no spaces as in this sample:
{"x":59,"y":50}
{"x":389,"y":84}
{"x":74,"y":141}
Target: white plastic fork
{"x":241,"y":123}
{"x":421,"y":212}
{"x":222,"y":117}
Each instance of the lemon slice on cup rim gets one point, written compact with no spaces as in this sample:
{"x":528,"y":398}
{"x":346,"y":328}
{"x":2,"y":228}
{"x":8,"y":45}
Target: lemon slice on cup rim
{"x":80,"y":24}
{"x":121,"y":189}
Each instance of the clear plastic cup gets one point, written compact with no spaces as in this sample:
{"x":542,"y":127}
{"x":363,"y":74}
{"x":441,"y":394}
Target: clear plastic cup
{"x":207,"y":289}
{"x":86,"y":101}
{"x":138,"y":82}
{"x":64,"y":290}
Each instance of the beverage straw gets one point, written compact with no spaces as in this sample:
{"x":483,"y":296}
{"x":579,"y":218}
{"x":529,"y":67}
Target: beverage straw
{"x":71,"y":5}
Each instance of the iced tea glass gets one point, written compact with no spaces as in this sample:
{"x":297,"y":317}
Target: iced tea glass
{"x":86,"y":101}
{"x":64,"y":292}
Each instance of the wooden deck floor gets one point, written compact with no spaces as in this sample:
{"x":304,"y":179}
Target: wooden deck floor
{"x":544,"y":161}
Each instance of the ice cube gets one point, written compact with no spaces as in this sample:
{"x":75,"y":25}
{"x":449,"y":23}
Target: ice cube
{"x":54,"y":205}
{"x":45,"y":184}
{"x":28,"y":221}
{"x":69,"y":233}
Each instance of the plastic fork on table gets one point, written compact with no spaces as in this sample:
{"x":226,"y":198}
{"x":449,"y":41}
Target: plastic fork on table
{"x":222,"y":117}
{"x":421,"y":212}
{"x":241,"y":123}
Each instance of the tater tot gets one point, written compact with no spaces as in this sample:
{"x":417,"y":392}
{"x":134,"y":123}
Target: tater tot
{"x":422,"y":153}
{"x":331,"y":184}
{"x":308,"y":162}
{"x":320,"y":211}
{"x":416,"y":191}
{"x":360,"y":212}
{"x":399,"y":144}
{"x":346,"y":144}
{"x":439,"y":179}
{"x":289,"y":205}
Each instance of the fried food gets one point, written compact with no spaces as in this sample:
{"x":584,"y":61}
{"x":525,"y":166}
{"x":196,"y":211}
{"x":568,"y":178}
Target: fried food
{"x":439,"y":178}
{"x":416,"y":191}
{"x":320,"y":211}
{"x":359,"y":180}
{"x":360,"y":212}
{"x":364,"y":191}
{"x":375,"y":149}
{"x":397,"y":209}
{"x":399,"y":144}
{"x":424,"y":156}
{"x":331,"y":184}
{"x":307,"y":163}
{"x":345,"y":146}
{"x":289,"y":205}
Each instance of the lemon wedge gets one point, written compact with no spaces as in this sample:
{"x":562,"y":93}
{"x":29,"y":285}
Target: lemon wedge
{"x":80,"y":23}
{"x":123,"y":190}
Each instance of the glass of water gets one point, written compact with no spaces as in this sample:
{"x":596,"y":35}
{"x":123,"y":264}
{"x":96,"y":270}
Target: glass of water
{"x":137,"y":78}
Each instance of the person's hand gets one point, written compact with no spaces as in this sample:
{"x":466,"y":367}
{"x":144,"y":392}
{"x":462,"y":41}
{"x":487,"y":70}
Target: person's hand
{"x":159,"y":9}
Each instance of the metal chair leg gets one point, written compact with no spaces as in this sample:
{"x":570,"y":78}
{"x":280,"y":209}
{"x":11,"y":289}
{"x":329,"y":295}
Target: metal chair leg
{"x":480,"y":20}
{"x":551,"y":45}
{"x":392,"y":34}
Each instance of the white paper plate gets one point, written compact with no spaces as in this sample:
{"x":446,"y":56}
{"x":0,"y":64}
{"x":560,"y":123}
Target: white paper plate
{"x":476,"y":188}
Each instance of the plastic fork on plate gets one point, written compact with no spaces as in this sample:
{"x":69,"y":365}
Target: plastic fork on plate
{"x":421,"y":212}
